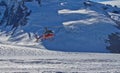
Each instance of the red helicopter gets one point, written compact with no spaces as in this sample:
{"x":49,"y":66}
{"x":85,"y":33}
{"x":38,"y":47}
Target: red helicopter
{"x":48,"y":34}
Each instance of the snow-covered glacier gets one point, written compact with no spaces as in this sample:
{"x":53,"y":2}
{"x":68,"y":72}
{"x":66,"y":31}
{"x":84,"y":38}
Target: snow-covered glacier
{"x":85,"y":32}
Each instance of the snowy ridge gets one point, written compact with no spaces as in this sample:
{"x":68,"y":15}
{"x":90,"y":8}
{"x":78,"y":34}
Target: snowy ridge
{"x":112,"y":2}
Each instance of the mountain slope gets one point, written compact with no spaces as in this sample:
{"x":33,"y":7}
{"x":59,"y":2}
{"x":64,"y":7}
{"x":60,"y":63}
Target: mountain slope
{"x":79,"y":26}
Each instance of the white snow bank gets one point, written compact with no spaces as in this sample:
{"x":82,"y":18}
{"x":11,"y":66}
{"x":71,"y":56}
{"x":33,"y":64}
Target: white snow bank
{"x":67,"y":11}
{"x":86,"y":22}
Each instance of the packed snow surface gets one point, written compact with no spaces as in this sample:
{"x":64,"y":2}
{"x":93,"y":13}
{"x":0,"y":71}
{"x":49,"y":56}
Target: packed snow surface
{"x":22,"y":59}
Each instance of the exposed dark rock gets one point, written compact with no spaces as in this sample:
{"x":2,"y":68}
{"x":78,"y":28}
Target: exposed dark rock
{"x":15,"y":16}
{"x":114,"y":43}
